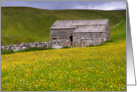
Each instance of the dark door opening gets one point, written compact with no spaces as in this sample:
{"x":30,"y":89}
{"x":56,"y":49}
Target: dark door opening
{"x":71,"y":38}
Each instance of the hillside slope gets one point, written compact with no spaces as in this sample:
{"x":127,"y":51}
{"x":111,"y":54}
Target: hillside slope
{"x":23,"y":24}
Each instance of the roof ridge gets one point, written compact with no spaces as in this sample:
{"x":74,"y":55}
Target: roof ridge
{"x":82,"y":19}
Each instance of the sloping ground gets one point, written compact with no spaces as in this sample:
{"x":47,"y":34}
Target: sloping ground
{"x":23,"y":24}
{"x":98,"y":68}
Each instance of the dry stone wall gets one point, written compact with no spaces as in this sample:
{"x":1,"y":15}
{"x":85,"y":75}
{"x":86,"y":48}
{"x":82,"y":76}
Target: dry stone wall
{"x":23,"y":46}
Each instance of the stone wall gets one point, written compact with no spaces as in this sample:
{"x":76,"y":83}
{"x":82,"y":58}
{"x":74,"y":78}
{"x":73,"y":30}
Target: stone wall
{"x":23,"y":46}
{"x":61,"y":36}
{"x":85,"y":39}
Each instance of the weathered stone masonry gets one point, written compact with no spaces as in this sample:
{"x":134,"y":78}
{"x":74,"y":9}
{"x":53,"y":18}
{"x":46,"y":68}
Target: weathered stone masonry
{"x":23,"y":46}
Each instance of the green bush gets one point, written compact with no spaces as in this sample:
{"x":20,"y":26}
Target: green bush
{"x":6,"y":52}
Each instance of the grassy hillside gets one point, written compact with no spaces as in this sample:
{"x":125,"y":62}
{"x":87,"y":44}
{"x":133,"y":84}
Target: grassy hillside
{"x":23,"y":24}
{"x":97,"y":68}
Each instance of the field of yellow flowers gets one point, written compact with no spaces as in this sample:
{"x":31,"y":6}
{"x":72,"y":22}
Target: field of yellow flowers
{"x":97,"y":68}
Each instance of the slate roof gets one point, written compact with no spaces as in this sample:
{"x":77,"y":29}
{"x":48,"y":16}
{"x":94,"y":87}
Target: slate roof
{"x":60,"y":24}
{"x":90,"y":29}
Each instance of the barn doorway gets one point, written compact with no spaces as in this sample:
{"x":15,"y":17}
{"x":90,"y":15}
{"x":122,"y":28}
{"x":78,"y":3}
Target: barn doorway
{"x":71,"y":39}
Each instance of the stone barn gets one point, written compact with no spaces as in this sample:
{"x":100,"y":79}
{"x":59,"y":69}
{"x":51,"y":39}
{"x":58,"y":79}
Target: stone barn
{"x":81,"y":33}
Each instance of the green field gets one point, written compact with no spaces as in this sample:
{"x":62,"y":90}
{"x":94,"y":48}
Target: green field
{"x":96,"y":68}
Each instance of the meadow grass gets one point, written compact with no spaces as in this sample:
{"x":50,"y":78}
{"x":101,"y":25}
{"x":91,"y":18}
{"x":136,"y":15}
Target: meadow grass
{"x":75,"y":69}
